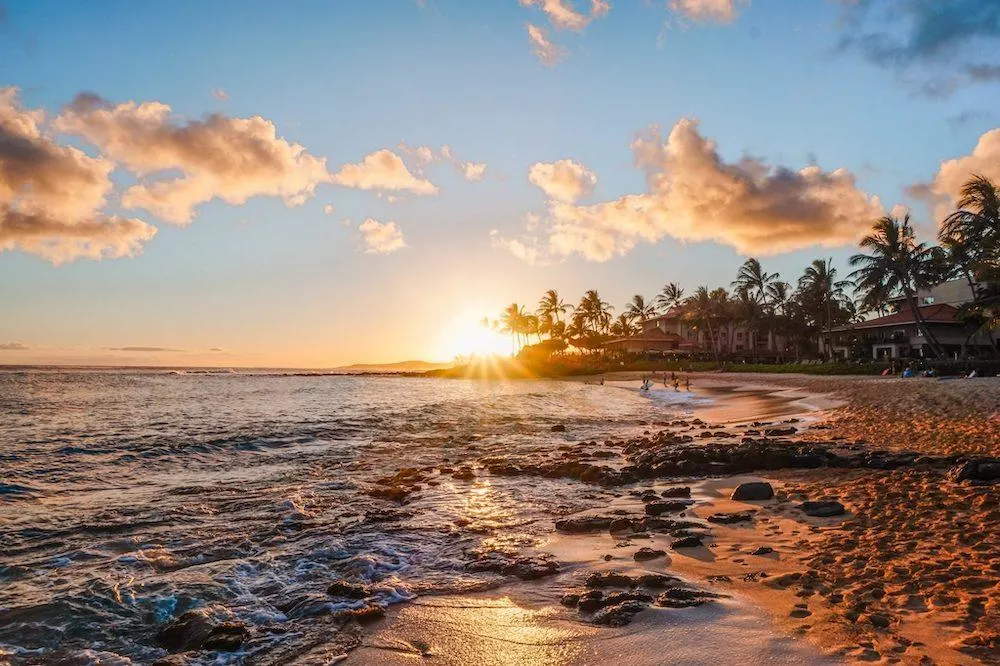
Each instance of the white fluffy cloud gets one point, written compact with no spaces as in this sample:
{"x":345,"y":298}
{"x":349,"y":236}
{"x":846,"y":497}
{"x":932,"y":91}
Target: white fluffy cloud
{"x":547,"y":52}
{"x":944,"y":190}
{"x":563,"y":15}
{"x":425,"y":155}
{"x":564,"y":180}
{"x":383,"y":170}
{"x":380,"y":238}
{"x":707,"y":11}
{"x":51,"y":195}
{"x":232,"y":159}
{"x":694,"y":195}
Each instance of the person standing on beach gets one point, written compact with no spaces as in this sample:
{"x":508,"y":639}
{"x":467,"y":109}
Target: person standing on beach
{"x":687,"y":384}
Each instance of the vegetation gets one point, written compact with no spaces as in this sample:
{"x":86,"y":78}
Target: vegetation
{"x":891,"y":266}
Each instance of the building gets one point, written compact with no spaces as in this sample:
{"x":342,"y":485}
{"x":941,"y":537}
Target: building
{"x":898,"y":336}
{"x":649,"y":340}
{"x":726,"y":339}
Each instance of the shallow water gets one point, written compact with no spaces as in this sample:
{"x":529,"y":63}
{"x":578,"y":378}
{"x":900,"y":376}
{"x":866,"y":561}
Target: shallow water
{"x":127,"y":498}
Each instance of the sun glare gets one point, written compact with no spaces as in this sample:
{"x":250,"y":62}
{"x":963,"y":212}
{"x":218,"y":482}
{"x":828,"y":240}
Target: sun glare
{"x":466,"y":336}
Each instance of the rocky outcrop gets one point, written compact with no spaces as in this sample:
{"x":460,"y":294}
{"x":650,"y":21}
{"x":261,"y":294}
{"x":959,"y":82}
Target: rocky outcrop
{"x":754,"y":490}
{"x":201,"y":630}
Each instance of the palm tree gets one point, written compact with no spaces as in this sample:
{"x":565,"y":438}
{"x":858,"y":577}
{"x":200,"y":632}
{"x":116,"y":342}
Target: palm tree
{"x":700,"y":308}
{"x":623,"y":326}
{"x":778,"y":296}
{"x":669,"y":297}
{"x":512,"y":321}
{"x":752,"y":279}
{"x":820,"y":286}
{"x":551,"y":308}
{"x":897,"y":263}
{"x":972,"y":233}
{"x":639,"y":309}
{"x":596,"y":313}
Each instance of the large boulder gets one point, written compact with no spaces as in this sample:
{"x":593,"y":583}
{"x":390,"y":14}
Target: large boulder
{"x":754,"y":490}
{"x":977,"y":469}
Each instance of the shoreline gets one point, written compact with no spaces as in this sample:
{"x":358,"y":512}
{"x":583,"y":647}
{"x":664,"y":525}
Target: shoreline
{"x":841,"y":588}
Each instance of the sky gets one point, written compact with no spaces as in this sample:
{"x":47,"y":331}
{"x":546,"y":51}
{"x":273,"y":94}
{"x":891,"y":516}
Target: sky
{"x":313,"y":184}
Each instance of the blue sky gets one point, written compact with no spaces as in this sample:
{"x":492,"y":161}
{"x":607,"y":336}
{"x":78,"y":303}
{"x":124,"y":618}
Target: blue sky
{"x":276,"y":285}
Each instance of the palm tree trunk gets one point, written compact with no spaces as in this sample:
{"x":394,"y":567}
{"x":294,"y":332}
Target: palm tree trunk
{"x":918,"y":317}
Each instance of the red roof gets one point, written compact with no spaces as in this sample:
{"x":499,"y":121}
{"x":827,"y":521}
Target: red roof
{"x":932,"y":314}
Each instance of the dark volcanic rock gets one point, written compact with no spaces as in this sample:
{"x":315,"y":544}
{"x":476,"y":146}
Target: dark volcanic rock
{"x":656,"y":581}
{"x":680,"y":597}
{"x":676,"y":492}
{"x":687,"y":542}
{"x":824,"y":509}
{"x":525,"y":568}
{"x":610,"y":579}
{"x":584,"y":525}
{"x":342,"y":588}
{"x":755,"y":490}
{"x":659,"y":508}
{"x":731,"y":518}
{"x":644,"y":554}
{"x":620,"y":525}
{"x":620,"y":614}
{"x":570,"y":600}
{"x":590,"y":601}
{"x":558,"y":428}
{"x":977,"y":469}
{"x":196,"y":630}
{"x":763,"y":550}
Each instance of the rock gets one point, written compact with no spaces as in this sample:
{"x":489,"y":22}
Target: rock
{"x":780,"y":432}
{"x":620,"y":525}
{"x":570,"y":600}
{"x":755,"y":490}
{"x":610,"y":579}
{"x":342,"y":588}
{"x":763,"y":550}
{"x":559,"y":427}
{"x":620,"y":614}
{"x":659,"y":508}
{"x":584,"y":525}
{"x":644,"y":554}
{"x":880,"y":620}
{"x":525,"y":568}
{"x":365,"y":614}
{"x":197,"y":630}
{"x":977,"y":469}
{"x":679,"y":597}
{"x":684,"y":491}
{"x":393,"y":493}
{"x":656,"y":581}
{"x":463,"y":474}
{"x":822,"y":509}
{"x":590,"y":601}
{"x":687,"y":542}
{"x":731,"y":518}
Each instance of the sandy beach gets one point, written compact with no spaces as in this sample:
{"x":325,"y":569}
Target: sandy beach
{"x":906,"y":571}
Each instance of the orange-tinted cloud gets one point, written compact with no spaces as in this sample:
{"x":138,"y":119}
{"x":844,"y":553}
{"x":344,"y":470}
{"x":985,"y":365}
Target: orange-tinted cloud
{"x":707,"y":11}
{"x":547,"y":52}
{"x":232,"y":159}
{"x":563,"y":15}
{"x":944,"y":190}
{"x":694,"y":195}
{"x":564,"y":180}
{"x":382,"y":170}
{"x":51,"y":195}
{"x":380,"y":238}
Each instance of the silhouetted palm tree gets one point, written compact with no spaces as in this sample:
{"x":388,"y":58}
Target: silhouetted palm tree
{"x":896,"y":263}
{"x":623,"y":326}
{"x":669,"y":297}
{"x":700,"y":309}
{"x":639,"y":309}
{"x":551,"y":308}
{"x":820,"y":287}
{"x":512,"y":321}
{"x":596,"y":313}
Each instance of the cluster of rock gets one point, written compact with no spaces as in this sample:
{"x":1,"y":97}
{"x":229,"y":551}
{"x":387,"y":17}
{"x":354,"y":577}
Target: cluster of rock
{"x":613,"y":599}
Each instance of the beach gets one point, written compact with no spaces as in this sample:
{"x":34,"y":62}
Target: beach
{"x":909,"y":572}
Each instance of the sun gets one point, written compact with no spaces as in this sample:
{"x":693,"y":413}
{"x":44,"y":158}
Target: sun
{"x":466,"y":336}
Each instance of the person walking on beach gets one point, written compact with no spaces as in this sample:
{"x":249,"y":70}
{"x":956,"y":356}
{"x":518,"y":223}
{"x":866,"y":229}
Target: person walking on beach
{"x":687,"y":384}
{"x":677,"y":385}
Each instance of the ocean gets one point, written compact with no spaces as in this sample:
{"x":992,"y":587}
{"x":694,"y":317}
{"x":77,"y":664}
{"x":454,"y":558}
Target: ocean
{"x":130,"y":497}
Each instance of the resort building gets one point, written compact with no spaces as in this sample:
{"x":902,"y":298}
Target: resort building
{"x":649,"y":340}
{"x":672,"y":332}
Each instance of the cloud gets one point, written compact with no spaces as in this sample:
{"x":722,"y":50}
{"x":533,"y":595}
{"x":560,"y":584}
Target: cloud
{"x":380,"y":238}
{"x":564,"y":180}
{"x":548,"y":53}
{"x":220,"y":94}
{"x":382,"y":170}
{"x":694,"y":195}
{"x":13,"y":346}
{"x":51,"y":195}
{"x":145,"y":349}
{"x":944,"y":189}
{"x":233,"y":159}
{"x":707,"y":11}
{"x":328,"y":209}
{"x":935,"y":46}
{"x":425,"y":155}
{"x":564,"y":16}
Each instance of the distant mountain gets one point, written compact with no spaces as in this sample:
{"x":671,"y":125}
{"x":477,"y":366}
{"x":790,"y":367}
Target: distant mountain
{"x":401,"y":366}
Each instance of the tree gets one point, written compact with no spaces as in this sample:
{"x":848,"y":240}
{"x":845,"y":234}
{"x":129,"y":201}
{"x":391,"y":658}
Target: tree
{"x":752,"y":279}
{"x":669,"y":297}
{"x":821,"y":293}
{"x":512,"y":321}
{"x":639,"y":309}
{"x":596,"y":314}
{"x":551,"y":309}
{"x":623,"y":326}
{"x":897,"y":263}
{"x":700,"y":309}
